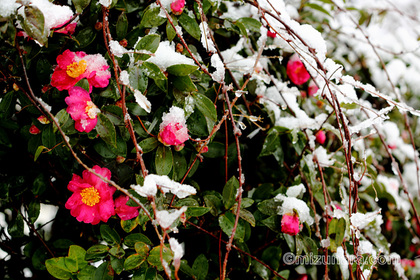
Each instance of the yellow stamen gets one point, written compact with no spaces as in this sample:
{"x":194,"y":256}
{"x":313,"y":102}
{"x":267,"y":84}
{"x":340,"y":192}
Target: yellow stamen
{"x":91,"y":109}
{"x":76,"y":69}
{"x":90,"y":196}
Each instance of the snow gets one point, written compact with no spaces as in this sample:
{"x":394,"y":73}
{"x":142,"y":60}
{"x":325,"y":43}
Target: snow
{"x":360,"y":221}
{"x":143,"y":102}
{"x":206,"y":40}
{"x":152,"y":181}
{"x":125,"y":78}
{"x":105,"y":3}
{"x":166,"y":56}
{"x":342,"y":262}
{"x":292,"y":204}
{"x":165,"y":218}
{"x":295,"y":191}
{"x":175,"y":115}
{"x":324,"y":159}
{"x":8,"y":7}
{"x":116,"y":48}
{"x":177,"y":248}
{"x":219,"y":74}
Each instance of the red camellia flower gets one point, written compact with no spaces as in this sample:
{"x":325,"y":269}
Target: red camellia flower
{"x":91,"y":201}
{"x":74,"y":66}
{"x":290,"y":224}
{"x":81,"y":109}
{"x":177,"y":6}
{"x":320,"y":137}
{"x":124,"y":211}
{"x":296,"y":71}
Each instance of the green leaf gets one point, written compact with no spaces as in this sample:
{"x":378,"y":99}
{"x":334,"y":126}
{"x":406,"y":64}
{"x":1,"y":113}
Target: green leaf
{"x":151,"y":17}
{"x":57,"y":268}
{"x":62,"y":117}
{"x":106,"y":130}
{"x":336,"y":230}
{"x":214,"y":203}
{"x":39,"y":151}
{"x":33,"y":24}
{"x":247,"y":216}
{"x":148,"y":43}
{"x":179,"y":167}
{"x":78,"y":253}
{"x":129,"y":225}
{"x":6,"y":105}
{"x":200,"y":267}
{"x":86,"y":273}
{"x":241,"y":28}
{"x":109,"y":235}
{"x":122,"y":26}
{"x":34,"y":208}
{"x":117,"y":265}
{"x":272,"y":145}
{"x":133,"y":261}
{"x":104,"y":272}
{"x":207,"y":108}
{"x":181,"y":69}
{"x":170,"y":31}
{"x":155,"y":259}
{"x":184,"y":83}
{"x":48,"y":137}
{"x":196,"y":211}
{"x":269,"y":207}
{"x":71,"y":264}
{"x":273,"y":223}
{"x":229,"y":192}
{"x":138,"y":78}
{"x":317,"y":7}
{"x":132,"y":239}
{"x":39,"y":185}
{"x":15,"y":228}
{"x":117,"y":251}
{"x":149,"y":144}
{"x":163,"y":160}
{"x":97,"y":252}
{"x":141,"y":248}
{"x":227,"y":222}
{"x":251,"y":23}
{"x":80,"y":5}
{"x":190,"y":25}
{"x":85,"y":37}
{"x":153,"y":71}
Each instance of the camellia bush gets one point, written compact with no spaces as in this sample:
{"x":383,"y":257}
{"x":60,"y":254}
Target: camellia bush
{"x":209,"y":139}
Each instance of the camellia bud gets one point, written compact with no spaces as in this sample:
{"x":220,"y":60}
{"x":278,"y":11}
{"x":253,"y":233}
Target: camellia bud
{"x":123,"y":43}
{"x":98,"y":26}
{"x":177,"y":6}
{"x":179,"y":48}
{"x":320,"y":137}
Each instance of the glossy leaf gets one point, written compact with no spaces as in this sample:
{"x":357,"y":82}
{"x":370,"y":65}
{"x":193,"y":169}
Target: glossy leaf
{"x":229,"y":192}
{"x":190,"y":25}
{"x":106,"y":130}
{"x":200,"y":267}
{"x":151,"y":17}
{"x":148,"y":43}
{"x":109,"y":235}
{"x":163,"y":160}
{"x":122,"y":26}
{"x":207,"y":108}
{"x":181,"y":69}
{"x":227,"y":222}
{"x":57,"y":268}
{"x":154,"y":257}
{"x":80,"y":5}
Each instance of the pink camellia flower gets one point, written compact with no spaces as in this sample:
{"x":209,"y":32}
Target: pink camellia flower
{"x":296,"y":71}
{"x":81,"y":109}
{"x":74,"y":66}
{"x":91,"y":201}
{"x":290,"y":224}
{"x":177,"y":6}
{"x":320,"y":137}
{"x":34,"y":130}
{"x":312,"y":88}
{"x":124,"y":211}
{"x":173,"y":129}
